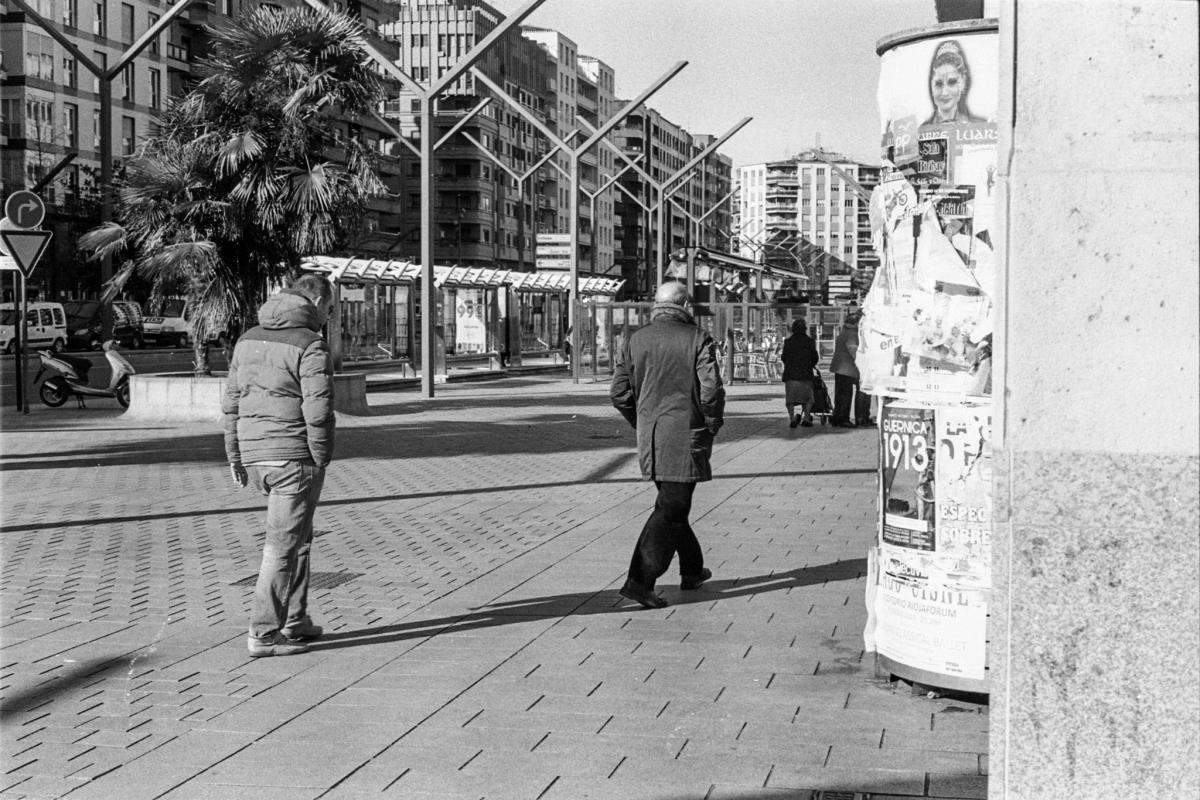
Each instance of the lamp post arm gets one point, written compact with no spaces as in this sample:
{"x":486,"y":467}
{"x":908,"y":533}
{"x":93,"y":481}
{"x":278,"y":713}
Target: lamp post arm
{"x":635,"y":199}
{"x":619,"y":153}
{"x":380,"y":58}
{"x":631,"y":106}
{"x":387,"y":126}
{"x":529,"y":116}
{"x":466,"y":118}
{"x":706,"y":152}
{"x":475,"y":53}
{"x":607,"y":183}
{"x":495,"y":158}
{"x":548,"y":156}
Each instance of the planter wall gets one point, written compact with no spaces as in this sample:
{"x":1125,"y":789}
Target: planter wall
{"x":182,"y":397}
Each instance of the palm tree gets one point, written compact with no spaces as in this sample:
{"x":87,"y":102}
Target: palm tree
{"x":249,"y":171}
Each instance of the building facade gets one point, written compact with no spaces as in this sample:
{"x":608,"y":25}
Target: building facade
{"x":811,"y":209}
{"x":664,"y":149}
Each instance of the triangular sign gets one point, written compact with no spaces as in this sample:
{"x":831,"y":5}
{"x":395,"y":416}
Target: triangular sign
{"x":26,"y":247}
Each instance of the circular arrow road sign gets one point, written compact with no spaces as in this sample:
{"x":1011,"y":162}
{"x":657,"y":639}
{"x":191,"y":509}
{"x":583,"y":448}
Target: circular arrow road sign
{"x":25,"y":209}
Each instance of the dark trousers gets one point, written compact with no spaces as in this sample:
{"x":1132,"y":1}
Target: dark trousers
{"x":665,"y":533}
{"x":846,"y":392}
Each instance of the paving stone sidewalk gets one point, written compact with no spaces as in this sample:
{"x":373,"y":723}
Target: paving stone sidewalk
{"x":468,"y":553}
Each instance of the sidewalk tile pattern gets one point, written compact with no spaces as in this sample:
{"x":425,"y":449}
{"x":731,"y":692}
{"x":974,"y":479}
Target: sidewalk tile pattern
{"x":468,"y":552}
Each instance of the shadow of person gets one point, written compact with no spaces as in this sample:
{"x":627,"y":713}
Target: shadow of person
{"x":604,"y":601}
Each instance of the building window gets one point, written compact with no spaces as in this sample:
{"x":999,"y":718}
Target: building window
{"x":96,"y":130}
{"x":420,"y":40}
{"x":155,"y":88}
{"x":227,"y":7}
{"x":37,"y":119}
{"x":151,"y":21}
{"x":39,"y":58}
{"x":127,"y":83}
{"x":70,"y":73}
{"x":101,"y":61}
{"x":100,"y":18}
{"x":71,"y":125}
{"x":126,"y":23}
{"x":70,"y":15}
{"x":128,"y":136}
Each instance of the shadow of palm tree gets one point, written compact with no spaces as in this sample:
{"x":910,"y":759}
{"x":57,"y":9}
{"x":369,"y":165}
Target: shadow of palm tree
{"x":605,"y":601}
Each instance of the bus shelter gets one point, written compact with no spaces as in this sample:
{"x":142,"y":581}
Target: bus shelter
{"x":484,"y":315}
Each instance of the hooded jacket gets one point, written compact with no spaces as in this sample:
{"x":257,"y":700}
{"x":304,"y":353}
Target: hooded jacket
{"x":667,"y":385}
{"x":278,"y":402}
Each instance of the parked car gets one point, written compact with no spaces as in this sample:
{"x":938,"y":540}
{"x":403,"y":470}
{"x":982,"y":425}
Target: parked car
{"x":46,"y":325}
{"x":85,"y":324}
{"x":173,"y":325}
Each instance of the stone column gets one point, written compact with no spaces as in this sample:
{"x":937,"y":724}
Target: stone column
{"x":1094,"y":640}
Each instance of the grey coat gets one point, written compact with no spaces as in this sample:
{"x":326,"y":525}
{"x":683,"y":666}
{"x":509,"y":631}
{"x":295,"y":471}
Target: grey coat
{"x":668,"y":386}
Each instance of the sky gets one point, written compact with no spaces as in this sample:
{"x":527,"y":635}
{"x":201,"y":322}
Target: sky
{"x":802,"y":69}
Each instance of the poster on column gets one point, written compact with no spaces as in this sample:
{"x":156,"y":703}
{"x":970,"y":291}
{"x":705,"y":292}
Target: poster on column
{"x":934,"y":87}
{"x":907,"y":462}
{"x":928,"y":626}
{"x":964,"y":509}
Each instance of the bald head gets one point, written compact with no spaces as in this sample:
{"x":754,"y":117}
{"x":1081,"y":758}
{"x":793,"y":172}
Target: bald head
{"x":672,"y":292}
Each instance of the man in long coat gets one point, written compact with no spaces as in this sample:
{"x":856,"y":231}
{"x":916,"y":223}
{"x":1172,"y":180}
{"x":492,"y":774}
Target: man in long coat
{"x":668,"y":386}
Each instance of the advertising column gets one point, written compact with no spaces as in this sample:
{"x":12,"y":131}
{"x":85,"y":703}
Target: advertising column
{"x":925,"y":348}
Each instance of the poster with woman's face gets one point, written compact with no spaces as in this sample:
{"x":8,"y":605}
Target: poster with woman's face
{"x":935,"y":83}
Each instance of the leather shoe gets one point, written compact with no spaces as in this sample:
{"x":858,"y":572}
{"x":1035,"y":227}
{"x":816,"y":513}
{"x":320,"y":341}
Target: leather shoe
{"x":690,"y":582}
{"x":277,"y":645}
{"x":305,"y":630}
{"x":646,"y":597}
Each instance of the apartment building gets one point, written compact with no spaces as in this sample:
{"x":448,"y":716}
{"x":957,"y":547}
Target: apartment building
{"x":50,"y":108}
{"x":807,"y":209}
{"x":665,"y":148}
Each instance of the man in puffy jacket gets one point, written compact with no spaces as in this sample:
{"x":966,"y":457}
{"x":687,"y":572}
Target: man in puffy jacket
{"x":668,"y":386}
{"x":279,"y":423}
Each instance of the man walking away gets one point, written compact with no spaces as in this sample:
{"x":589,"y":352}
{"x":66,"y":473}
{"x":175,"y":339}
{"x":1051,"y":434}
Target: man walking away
{"x":668,"y":386}
{"x":799,"y":361}
{"x":279,"y":424}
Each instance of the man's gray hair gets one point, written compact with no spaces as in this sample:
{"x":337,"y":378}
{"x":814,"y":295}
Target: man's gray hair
{"x":315,"y":287}
{"x":672,"y":292}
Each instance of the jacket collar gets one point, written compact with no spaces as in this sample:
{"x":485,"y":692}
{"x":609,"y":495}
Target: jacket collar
{"x":671,"y":311}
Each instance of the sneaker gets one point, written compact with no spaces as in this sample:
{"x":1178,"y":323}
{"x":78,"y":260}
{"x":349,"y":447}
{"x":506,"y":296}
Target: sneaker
{"x":795,"y":421}
{"x":691,"y":582}
{"x":305,"y":630}
{"x":646,"y":597}
{"x":277,"y":645}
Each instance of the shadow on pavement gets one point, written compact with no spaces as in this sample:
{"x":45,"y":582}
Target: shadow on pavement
{"x":73,"y":676}
{"x":600,"y":475}
{"x":577,"y":603}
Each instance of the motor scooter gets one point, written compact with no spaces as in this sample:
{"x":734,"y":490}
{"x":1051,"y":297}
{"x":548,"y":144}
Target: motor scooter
{"x":69,"y":377}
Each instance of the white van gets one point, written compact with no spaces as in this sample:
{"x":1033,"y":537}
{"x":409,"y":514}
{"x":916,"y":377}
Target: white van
{"x":171,"y":326}
{"x":46,"y":325}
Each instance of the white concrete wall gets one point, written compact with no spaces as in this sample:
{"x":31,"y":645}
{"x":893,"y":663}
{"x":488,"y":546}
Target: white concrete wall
{"x":1094,"y":627}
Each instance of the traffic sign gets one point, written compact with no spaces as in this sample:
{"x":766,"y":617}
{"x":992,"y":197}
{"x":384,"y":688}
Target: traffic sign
{"x":25,"y":209}
{"x":25,"y":247}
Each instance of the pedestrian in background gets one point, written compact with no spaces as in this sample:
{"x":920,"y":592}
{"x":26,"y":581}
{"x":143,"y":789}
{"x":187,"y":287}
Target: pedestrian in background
{"x":667,"y":384}
{"x":279,"y":426}
{"x":799,"y":359}
{"x":846,"y":389}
